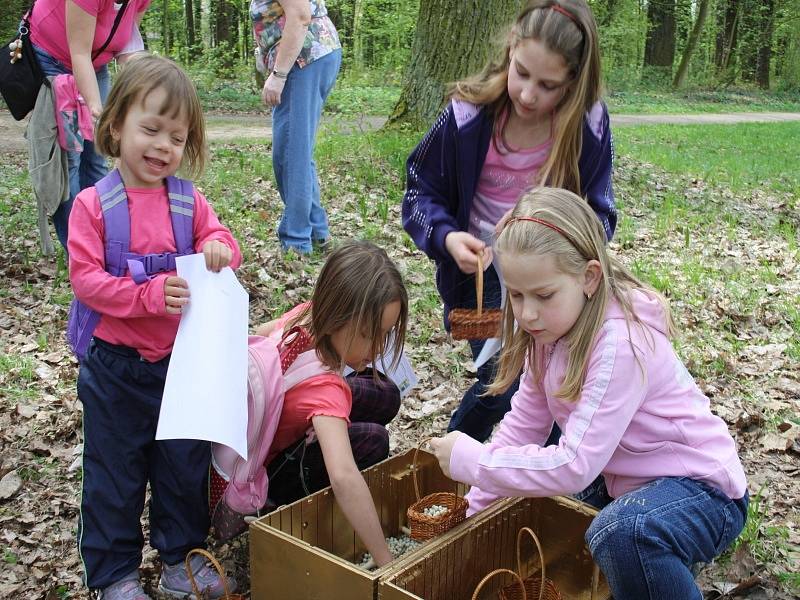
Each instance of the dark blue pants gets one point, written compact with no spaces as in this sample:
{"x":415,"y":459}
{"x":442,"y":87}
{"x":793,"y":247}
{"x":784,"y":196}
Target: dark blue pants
{"x":477,"y":414}
{"x":121,"y":397}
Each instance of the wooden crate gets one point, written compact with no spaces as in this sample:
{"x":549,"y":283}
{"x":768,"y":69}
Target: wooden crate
{"x":305,"y":550}
{"x":452,"y":565}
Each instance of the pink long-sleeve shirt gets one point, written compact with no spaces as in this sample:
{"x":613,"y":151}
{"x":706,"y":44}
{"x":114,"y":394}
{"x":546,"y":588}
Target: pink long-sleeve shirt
{"x":134,"y":315}
{"x":635,"y":421}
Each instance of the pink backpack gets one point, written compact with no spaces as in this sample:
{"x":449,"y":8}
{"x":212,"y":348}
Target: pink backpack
{"x":239,"y":487}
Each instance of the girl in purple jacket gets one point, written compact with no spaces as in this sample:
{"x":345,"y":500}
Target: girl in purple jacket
{"x":532,"y":116}
{"x":639,"y":439}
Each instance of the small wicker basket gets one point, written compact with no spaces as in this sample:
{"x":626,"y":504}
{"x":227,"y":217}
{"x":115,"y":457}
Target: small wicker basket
{"x":424,"y":527}
{"x":210,"y":557}
{"x":472,"y":324}
{"x":518,"y":584}
{"x":534,"y":586}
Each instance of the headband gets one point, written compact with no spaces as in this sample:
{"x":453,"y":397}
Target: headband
{"x":560,"y":9}
{"x":537,"y":220}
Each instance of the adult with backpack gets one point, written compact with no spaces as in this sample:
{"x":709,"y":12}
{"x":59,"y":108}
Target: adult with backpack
{"x":80,"y":38}
{"x":126,"y":233}
{"x":308,"y":426}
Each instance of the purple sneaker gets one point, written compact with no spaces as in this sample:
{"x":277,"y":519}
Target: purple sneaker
{"x":175,"y":581}
{"x":127,"y":588}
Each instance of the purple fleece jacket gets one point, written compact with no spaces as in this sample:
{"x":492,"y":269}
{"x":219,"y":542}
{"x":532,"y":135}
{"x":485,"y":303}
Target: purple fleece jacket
{"x":443,"y":171}
{"x":640,"y":416}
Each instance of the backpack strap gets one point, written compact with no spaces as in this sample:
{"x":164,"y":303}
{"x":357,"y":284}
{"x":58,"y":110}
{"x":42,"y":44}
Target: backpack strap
{"x":116,"y":220}
{"x":181,"y":211}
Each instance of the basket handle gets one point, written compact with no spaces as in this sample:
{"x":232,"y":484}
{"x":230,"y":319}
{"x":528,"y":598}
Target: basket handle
{"x":207,"y":555}
{"x":529,"y":531}
{"x":414,"y":464}
{"x":479,"y":283}
{"x":496,"y":572}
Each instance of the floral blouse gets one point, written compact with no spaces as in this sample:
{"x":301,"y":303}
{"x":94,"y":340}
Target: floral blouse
{"x":269,"y":21}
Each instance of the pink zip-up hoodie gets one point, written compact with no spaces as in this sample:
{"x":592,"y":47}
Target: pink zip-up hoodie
{"x":640,"y":416}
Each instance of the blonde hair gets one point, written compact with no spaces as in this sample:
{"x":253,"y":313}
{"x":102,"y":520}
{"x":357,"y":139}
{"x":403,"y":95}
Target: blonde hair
{"x":573,"y":39}
{"x":141,"y":75}
{"x":575,"y":238}
{"x":356,"y":283}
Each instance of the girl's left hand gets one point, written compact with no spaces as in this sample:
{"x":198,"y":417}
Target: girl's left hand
{"x":443,"y":448}
{"x":217,"y":254}
{"x":273,"y":88}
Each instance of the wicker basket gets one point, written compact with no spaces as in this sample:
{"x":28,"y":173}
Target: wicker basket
{"x":534,"y":586}
{"x":208,"y":556}
{"x":476,"y":324}
{"x":424,"y":527}
{"x":518,"y":584}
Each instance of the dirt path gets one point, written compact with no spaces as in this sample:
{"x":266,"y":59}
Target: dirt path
{"x":224,"y":128}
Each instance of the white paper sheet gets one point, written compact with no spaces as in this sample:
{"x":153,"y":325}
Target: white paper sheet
{"x":205,"y":396}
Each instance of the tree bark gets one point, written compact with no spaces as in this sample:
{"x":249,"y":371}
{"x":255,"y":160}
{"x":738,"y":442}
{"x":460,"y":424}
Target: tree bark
{"x":691,"y":44}
{"x":191,"y":40}
{"x":727,"y":27}
{"x":453,"y":40}
{"x":358,"y":45}
{"x":659,"y":48}
{"x":764,"y":57}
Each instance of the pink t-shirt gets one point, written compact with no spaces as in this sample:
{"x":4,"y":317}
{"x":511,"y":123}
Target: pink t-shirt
{"x":49,"y":28}
{"x":505,"y":176}
{"x":324,"y":395}
{"x":134,"y":315}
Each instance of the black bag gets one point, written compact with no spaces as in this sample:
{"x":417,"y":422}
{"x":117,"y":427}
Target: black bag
{"x":21,"y":76}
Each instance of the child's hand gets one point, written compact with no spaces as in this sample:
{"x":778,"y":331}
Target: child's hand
{"x":176,"y":294}
{"x":443,"y":448}
{"x":217,"y":254}
{"x":465,"y":248}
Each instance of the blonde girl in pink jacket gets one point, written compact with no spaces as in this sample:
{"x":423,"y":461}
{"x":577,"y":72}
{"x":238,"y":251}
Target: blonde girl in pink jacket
{"x":639,"y":440}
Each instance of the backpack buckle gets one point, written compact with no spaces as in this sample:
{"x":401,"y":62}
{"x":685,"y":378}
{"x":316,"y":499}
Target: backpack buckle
{"x":158,"y":263}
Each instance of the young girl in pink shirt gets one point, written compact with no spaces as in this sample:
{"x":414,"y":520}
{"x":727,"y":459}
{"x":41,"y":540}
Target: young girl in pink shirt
{"x":153,"y":125}
{"x":639,"y":440}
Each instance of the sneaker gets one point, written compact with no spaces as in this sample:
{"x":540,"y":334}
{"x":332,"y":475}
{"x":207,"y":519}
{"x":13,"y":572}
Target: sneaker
{"x":175,"y":581}
{"x":127,"y":588}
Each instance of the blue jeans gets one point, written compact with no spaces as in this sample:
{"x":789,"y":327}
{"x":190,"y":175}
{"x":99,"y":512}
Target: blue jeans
{"x":646,"y":541}
{"x":477,"y":414}
{"x":85,"y":168}
{"x":294,"y":131}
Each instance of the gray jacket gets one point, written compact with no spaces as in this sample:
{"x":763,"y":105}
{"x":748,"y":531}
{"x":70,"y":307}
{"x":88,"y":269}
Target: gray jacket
{"x":47,"y":163}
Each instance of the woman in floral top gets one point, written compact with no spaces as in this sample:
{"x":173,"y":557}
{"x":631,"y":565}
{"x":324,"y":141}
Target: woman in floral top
{"x":298,"y":46}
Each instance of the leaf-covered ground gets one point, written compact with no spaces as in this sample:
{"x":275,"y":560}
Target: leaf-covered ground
{"x":728,"y":261}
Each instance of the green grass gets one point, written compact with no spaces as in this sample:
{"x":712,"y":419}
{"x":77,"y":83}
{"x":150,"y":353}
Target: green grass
{"x":646,"y":101}
{"x":743,"y":156}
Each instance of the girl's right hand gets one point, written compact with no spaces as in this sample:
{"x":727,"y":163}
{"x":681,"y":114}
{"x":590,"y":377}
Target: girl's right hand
{"x":176,"y":294}
{"x":465,"y":248}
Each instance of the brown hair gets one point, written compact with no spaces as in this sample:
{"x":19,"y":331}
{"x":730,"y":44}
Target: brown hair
{"x":569,"y":30}
{"x":573,"y":236}
{"x":356,"y":283}
{"x":140,"y":75}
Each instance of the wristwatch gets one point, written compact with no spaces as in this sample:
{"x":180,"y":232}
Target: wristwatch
{"x":279,"y":74}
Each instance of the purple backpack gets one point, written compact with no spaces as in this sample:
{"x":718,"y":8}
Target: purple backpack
{"x":119,"y":260}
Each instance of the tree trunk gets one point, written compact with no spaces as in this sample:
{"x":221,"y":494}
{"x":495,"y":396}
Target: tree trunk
{"x":749,"y":37}
{"x":166,"y":33}
{"x":191,"y":40}
{"x":727,"y":26}
{"x":358,"y":44}
{"x":453,"y":40}
{"x":764,"y":56}
{"x":659,"y":47}
{"x":691,"y":44}
{"x":226,"y":30}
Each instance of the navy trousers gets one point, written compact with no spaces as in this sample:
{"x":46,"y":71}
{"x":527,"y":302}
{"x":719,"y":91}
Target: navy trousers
{"x":121,"y":397}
